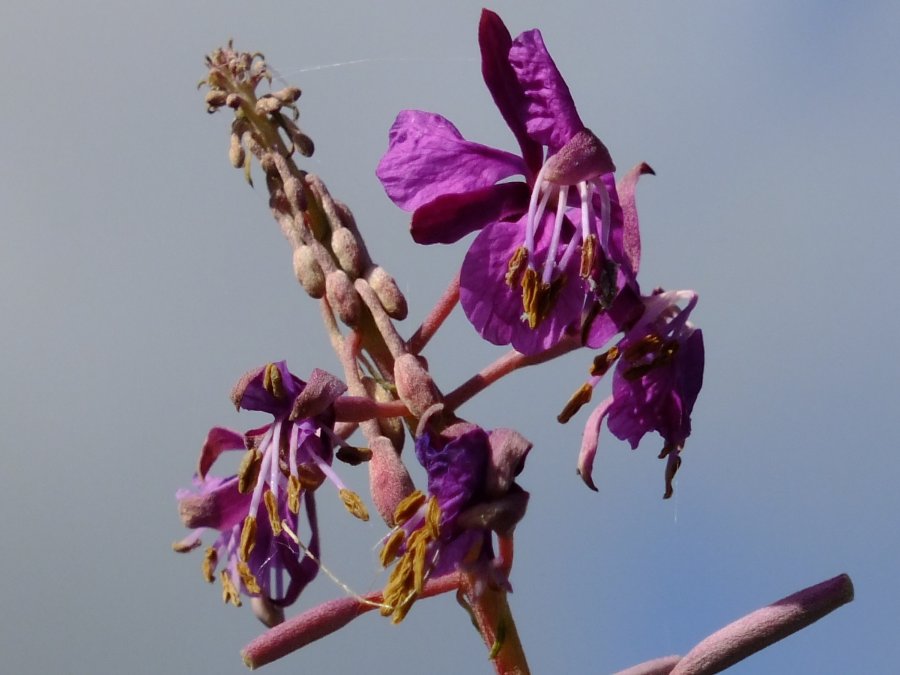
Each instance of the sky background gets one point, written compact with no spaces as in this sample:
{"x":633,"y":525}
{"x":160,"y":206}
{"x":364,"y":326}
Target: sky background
{"x":141,"y":277}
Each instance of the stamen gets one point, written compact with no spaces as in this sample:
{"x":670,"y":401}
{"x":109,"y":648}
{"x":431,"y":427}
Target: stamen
{"x":649,"y":344}
{"x":605,"y":212}
{"x":210,"y":560}
{"x":248,"y":538}
{"x":408,"y":506}
{"x":550,"y":262}
{"x":248,"y":471}
{"x":587,"y":256}
{"x":229,"y":590}
{"x":271,"y":502}
{"x":603,"y":362}
{"x":272,"y":381}
{"x":354,"y":504}
{"x":248,"y":578}
{"x":310,"y":477}
{"x":294,"y":494}
{"x":392,"y":547}
{"x":577,"y":400}
{"x":532,"y":220}
{"x":433,"y":518}
{"x":515,"y":265}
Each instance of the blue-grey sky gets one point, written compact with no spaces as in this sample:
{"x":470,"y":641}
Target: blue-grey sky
{"x":141,"y":277}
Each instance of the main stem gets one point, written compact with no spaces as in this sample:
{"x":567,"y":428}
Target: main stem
{"x":491,"y":613}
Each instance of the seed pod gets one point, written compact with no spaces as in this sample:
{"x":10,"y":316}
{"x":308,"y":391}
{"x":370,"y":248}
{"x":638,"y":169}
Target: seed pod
{"x":346,"y":250}
{"x":389,"y":294}
{"x":308,"y":272}
{"x":343,"y":297}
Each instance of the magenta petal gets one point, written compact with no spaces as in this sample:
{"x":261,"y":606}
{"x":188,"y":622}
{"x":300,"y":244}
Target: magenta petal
{"x":495,"y":309}
{"x":551,"y":115}
{"x":450,"y":218}
{"x":495,"y":42}
{"x":589,"y":442}
{"x":631,"y":239}
{"x":427,"y":157}
{"x":218,"y":440}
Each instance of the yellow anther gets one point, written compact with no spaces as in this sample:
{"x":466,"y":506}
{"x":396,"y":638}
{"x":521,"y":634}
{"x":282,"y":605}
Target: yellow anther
{"x":530,"y":291}
{"x":578,"y":399}
{"x":293,"y":494}
{"x":272,"y":508}
{"x":229,"y":591}
{"x":433,"y":518}
{"x":272,"y":381}
{"x":602,"y":362}
{"x":248,"y":537}
{"x":210,"y":560}
{"x":182,"y":547}
{"x":514,"y":267}
{"x":354,"y":504}
{"x":587,"y":256}
{"x":420,"y":558}
{"x":248,"y":471}
{"x":649,"y":344}
{"x":391,"y":547}
{"x":248,"y":578}
{"x":408,"y":507}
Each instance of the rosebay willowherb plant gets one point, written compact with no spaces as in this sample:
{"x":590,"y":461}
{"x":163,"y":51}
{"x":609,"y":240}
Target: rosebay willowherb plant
{"x":553,"y":268}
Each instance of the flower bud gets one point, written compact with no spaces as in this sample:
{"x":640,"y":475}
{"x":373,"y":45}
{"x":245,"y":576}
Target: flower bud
{"x":215,"y":99}
{"x":389,"y":481}
{"x":233,"y":101}
{"x":392,"y":427}
{"x":236,"y":153}
{"x":268,"y":104}
{"x":388,"y":293}
{"x":343,"y":297}
{"x":346,"y":250}
{"x":415,"y":386}
{"x":293,"y":190}
{"x":287,"y":95}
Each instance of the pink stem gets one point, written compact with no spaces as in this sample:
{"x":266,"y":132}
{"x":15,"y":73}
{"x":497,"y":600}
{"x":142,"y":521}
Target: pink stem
{"x":323,"y":620}
{"x":506,"y":364}
{"x":435,"y":318}
{"x":660,"y":666}
{"x":765,"y":626}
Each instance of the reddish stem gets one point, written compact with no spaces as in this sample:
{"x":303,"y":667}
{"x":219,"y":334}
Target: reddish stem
{"x":435,"y":318}
{"x":491,"y":614}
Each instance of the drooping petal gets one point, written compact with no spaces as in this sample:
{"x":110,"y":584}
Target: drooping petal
{"x":218,"y":440}
{"x":495,"y":309}
{"x":427,"y":157}
{"x":451,"y":217}
{"x":551,"y":115}
{"x":256,"y":390}
{"x":631,"y":233}
{"x":589,"y":442}
{"x":500,"y":78}
{"x":217,"y":504}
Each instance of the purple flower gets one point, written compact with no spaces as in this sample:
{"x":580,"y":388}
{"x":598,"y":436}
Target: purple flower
{"x":471,"y":493}
{"x":658,"y":375}
{"x":257,"y":512}
{"x":551,"y":243}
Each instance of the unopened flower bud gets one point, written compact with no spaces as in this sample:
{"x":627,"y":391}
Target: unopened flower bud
{"x":392,"y":427}
{"x":346,"y":250}
{"x":415,"y":385}
{"x":236,"y":153}
{"x":343,"y":297}
{"x":233,"y":101}
{"x":293,"y":190}
{"x":268,"y":104}
{"x":287,"y":95}
{"x":389,"y":481}
{"x":388,"y":292}
{"x":302,"y":143}
{"x":215,"y":99}
{"x":308,"y":272}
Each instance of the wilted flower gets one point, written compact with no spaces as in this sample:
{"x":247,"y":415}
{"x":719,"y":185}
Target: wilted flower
{"x":550,"y":245}
{"x":257,"y":511}
{"x":471,"y":492}
{"x":658,"y":375}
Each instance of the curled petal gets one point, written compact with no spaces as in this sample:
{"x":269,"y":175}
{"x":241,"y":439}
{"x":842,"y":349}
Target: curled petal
{"x":428,"y":157}
{"x":589,"y":442}
{"x":631,"y":230}
{"x":551,"y":117}
{"x":218,"y":440}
